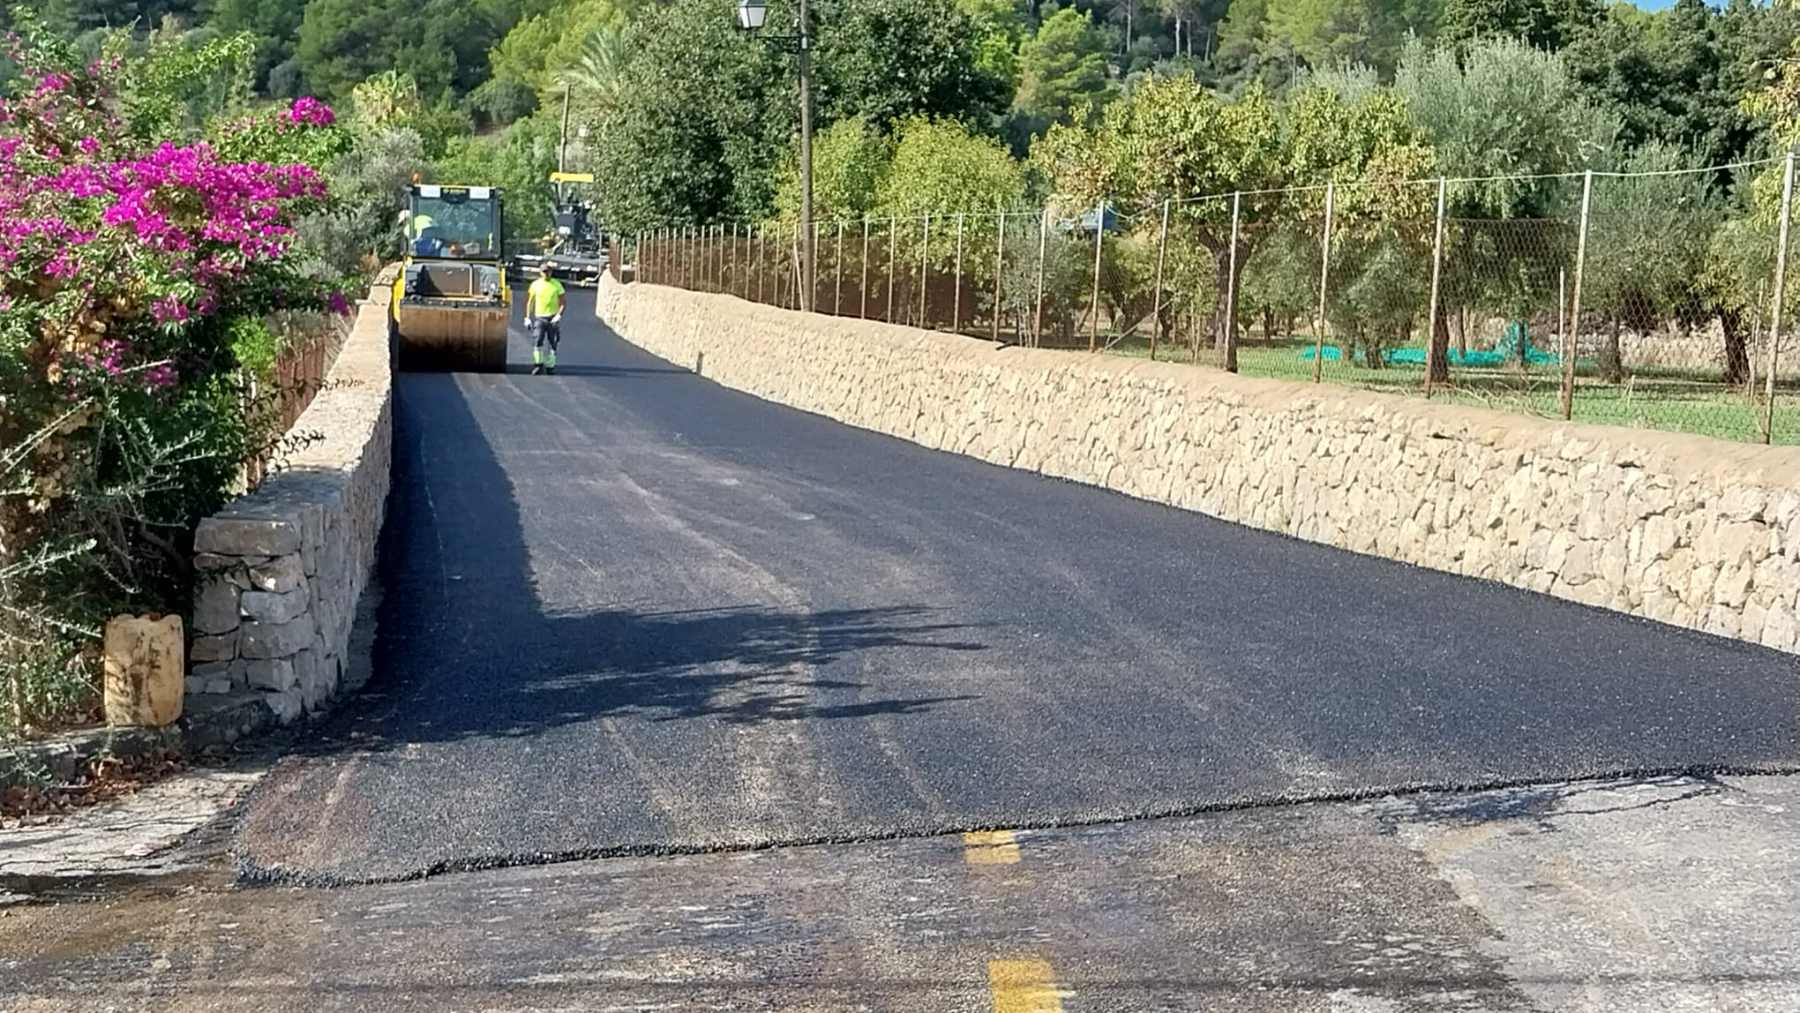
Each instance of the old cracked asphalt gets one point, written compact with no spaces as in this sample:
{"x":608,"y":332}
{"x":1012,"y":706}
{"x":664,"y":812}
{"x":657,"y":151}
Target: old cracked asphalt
{"x":627,"y":610}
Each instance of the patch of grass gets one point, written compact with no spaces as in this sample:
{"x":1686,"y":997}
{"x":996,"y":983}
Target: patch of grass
{"x":1684,"y":401}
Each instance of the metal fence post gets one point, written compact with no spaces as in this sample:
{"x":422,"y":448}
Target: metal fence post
{"x":1437,"y":271}
{"x":1229,"y":363}
{"x":802,"y":299}
{"x":1094,"y":306}
{"x":762,"y":243}
{"x":999,"y":267}
{"x":1571,"y":339}
{"x":1037,"y":319}
{"x":864,"y":312}
{"x":1324,"y":280}
{"x":893,"y":234}
{"x":1562,"y":307}
{"x":924,"y":265}
{"x":812,"y":271}
{"x":1162,"y":249}
{"x":956,"y":295}
{"x":1756,"y":337}
{"x":1781,"y":249}
{"x":837,"y":282}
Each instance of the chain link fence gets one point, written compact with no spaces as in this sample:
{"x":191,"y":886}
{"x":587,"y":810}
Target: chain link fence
{"x":1639,"y":302}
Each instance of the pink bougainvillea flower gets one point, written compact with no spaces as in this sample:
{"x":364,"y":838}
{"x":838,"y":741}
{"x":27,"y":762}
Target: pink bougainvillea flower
{"x":311,"y":112}
{"x":168,"y":310}
{"x":160,"y":376}
{"x":337,"y":303}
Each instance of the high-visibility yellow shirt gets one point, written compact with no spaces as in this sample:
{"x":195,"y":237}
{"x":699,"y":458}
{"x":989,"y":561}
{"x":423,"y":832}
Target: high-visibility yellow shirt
{"x":420,"y":223}
{"x":544,"y":297}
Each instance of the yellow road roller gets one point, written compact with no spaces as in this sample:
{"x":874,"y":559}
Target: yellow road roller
{"x":451,"y":300}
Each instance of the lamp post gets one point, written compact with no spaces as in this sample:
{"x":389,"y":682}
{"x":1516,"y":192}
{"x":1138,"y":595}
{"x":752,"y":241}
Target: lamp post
{"x":751,"y":14}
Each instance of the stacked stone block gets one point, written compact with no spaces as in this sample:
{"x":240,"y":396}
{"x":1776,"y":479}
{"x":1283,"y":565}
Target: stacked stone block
{"x":281,"y":569}
{"x":1683,"y":529}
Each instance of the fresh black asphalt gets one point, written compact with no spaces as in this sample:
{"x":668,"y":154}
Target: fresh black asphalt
{"x":626,"y":609}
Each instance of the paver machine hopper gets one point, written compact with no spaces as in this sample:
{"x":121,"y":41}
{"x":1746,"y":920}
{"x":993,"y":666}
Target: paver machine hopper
{"x":576,"y":248}
{"x":451,"y":300}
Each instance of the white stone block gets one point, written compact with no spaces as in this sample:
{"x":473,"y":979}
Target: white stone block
{"x":145,"y":671}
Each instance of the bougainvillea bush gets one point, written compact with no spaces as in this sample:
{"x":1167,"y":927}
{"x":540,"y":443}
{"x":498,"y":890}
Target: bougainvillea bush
{"x":133,"y":279}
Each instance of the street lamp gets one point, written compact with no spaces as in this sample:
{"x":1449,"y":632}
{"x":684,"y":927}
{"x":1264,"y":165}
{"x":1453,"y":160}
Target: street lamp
{"x":751,"y":14}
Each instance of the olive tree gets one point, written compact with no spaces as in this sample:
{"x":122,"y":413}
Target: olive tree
{"x":1173,"y":140}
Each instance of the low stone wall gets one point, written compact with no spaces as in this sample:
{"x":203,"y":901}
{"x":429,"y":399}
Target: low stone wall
{"x":1682,"y":529}
{"x":282,"y":567}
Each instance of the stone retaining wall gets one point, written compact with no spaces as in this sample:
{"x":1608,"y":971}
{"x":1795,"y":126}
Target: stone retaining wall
{"x":1683,"y":529}
{"x":282,"y":567}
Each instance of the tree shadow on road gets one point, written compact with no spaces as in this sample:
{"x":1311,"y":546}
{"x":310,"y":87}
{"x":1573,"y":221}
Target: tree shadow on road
{"x":464,"y":647}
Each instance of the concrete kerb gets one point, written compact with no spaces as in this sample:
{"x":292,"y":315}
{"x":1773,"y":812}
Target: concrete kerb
{"x":1678,"y":528}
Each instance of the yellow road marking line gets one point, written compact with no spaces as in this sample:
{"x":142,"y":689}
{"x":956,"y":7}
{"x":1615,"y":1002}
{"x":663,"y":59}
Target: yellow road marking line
{"x":991,"y":847}
{"x":1023,"y":986}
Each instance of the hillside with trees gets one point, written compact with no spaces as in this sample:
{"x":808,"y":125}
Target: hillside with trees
{"x":686,"y":119}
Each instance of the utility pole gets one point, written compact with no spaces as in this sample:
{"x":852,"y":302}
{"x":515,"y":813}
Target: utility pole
{"x":807,"y":266}
{"x":751,"y":14}
{"x":562,"y":146}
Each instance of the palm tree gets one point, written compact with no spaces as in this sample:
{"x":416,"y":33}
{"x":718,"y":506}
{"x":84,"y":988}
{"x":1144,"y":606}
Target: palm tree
{"x":598,"y":75}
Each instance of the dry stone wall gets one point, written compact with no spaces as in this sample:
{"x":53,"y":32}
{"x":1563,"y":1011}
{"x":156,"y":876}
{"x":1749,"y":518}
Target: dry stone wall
{"x":282,"y":568}
{"x":1682,"y":529}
